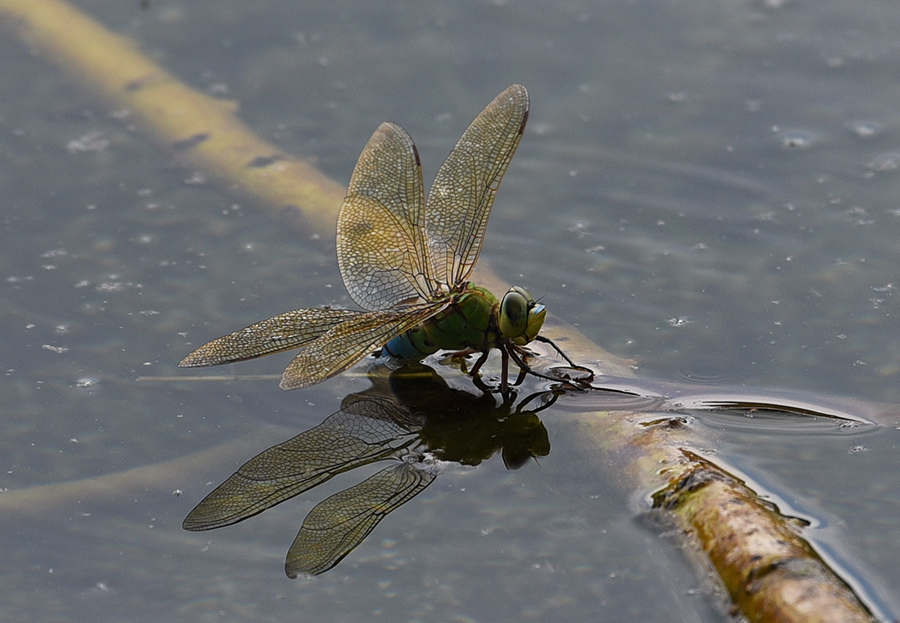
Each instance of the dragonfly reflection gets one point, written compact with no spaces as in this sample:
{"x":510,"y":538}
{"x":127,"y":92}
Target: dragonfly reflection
{"x":416,"y":422}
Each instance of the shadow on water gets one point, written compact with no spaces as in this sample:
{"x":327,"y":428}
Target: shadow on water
{"x":411,"y":418}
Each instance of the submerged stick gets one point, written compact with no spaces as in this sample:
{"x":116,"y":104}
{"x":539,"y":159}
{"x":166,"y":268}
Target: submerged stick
{"x":205,"y":134}
{"x":202,"y":131}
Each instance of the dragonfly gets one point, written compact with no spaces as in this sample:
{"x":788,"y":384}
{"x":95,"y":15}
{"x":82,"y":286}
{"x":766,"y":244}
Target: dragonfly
{"x":406,"y":261}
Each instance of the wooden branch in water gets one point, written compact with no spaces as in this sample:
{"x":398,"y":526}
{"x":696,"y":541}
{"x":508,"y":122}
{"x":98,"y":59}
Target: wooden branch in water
{"x":201,"y":131}
{"x":765,"y":565}
{"x":769,"y":571}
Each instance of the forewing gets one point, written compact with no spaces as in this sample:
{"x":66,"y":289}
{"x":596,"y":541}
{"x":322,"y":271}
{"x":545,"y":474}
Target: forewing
{"x":361,"y":433}
{"x":338,"y":524}
{"x":350,"y":341}
{"x":282,"y":332}
{"x":463,"y":192}
{"x":380,"y":231}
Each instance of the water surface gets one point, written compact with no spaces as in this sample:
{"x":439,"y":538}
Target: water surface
{"x":708,"y":190}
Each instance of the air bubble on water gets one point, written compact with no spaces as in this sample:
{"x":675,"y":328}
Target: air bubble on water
{"x":866,"y":129}
{"x":797,"y":139}
{"x":92,"y":141}
{"x":196,"y":179}
{"x":885,"y":162}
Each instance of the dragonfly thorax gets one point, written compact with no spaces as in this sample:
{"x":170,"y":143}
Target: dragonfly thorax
{"x":475,"y":320}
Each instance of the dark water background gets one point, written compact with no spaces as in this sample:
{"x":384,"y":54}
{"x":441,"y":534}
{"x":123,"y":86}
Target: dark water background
{"x":707,"y":188}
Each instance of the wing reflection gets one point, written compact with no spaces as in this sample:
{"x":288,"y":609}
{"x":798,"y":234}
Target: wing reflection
{"x":412,"y":418}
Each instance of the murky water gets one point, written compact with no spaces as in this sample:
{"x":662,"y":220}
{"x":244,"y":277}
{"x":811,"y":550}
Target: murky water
{"x":711,"y":191}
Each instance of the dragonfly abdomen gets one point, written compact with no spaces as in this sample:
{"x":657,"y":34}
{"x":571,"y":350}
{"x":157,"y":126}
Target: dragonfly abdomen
{"x":469,"y":322}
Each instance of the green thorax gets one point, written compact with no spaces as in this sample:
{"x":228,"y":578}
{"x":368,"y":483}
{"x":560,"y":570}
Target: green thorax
{"x":475,"y":320}
{"x":469,"y":322}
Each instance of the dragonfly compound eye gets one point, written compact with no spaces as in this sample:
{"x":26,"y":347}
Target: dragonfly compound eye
{"x":521,"y":318}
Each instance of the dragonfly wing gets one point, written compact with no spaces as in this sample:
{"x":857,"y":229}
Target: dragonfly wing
{"x":380,"y":231}
{"x":350,"y":341}
{"x":361,"y":433}
{"x":463,"y":192}
{"x":282,"y":332}
{"x":338,"y":524}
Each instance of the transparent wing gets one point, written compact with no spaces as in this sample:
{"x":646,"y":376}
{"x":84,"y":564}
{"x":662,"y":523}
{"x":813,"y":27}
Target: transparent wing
{"x":337,"y":525}
{"x":463,"y":192}
{"x":362,"y":432}
{"x":350,"y":341}
{"x":380,"y":231}
{"x":282,"y":332}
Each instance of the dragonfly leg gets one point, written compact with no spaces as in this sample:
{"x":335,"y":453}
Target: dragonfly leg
{"x":478,"y":364}
{"x":481,"y":385}
{"x":521,"y":377}
{"x":547,"y":340}
{"x":460,"y":356}
{"x":504,"y":372}
{"x":476,"y":378}
{"x":518,"y":356}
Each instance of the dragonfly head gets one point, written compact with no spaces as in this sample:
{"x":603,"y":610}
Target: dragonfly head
{"x":521,"y":317}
